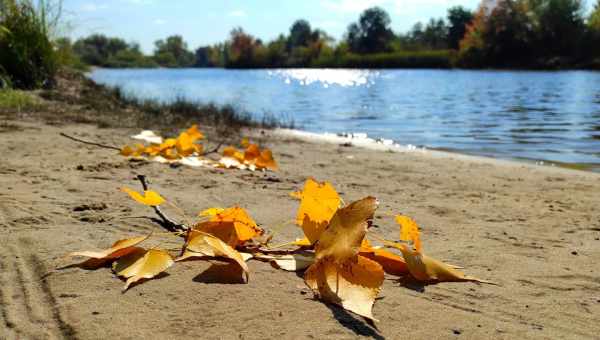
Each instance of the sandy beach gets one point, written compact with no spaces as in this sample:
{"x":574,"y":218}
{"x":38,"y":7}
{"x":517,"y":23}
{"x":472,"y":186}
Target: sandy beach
{"x":534,"y":230}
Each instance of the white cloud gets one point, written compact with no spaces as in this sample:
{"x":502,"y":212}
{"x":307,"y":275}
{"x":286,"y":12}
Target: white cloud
{"x":237,"y":13}
{"x":91,"y":7}
{"x":159,"y":21}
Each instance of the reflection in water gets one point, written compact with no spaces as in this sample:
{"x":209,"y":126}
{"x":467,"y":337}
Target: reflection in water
{"x":532,"y":115}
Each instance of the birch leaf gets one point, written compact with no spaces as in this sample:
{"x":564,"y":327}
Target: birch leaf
{"x":290,"y":262}
{"x":427,"y":269}
{"x":211,"y":212}
{"x":151,"y":198}
{"x":232,"y":225}
{"x":147,"y":265}
{"x":318,"y":203}
{"x":352,"y":285}
{"x":200,"y":244}
{"x":118,"y":249}
{"x":409,"y":230}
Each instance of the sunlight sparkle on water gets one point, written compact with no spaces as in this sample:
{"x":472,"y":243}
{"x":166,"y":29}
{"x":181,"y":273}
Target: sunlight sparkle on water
{"x":327,"y":77}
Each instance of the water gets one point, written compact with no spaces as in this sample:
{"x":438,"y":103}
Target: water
{"x":549,"y":116}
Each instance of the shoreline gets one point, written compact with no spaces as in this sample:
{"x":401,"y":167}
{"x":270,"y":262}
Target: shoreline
{"x":387,"y":145}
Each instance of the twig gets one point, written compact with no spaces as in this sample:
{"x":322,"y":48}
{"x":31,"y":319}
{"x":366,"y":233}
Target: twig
{"x":215,"y":150}
{"x":90,"y":143}
{"x":164,"y":221}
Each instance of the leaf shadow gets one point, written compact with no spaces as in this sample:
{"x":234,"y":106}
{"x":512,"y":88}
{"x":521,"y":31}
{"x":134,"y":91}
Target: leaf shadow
{"x":359,"y":326}
{"x":226,"y":273}
{"x":413,"y":284}
{"x":89,"y":264}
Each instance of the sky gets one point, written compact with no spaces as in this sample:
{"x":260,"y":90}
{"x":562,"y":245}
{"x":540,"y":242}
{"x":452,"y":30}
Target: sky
{"x":205,"y":22}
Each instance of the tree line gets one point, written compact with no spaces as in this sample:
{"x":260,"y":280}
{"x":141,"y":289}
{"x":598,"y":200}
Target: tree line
{"x":498,"y":34}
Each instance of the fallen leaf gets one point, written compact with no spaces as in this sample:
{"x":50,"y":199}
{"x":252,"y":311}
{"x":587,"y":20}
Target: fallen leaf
{"x":150,"y":197}
{"x":318,"y":203}
{"x":343,"y":236}
{"x":266,"y":160}
{"x":245,"y":142}
{"x":200,"y":244}
{"x":354,"y":285}
{"x":137,"y":266}
{"x":194,"y":133}
{"x":427,"y":269}
{"x":232,"y":225}
{"x":211,"y":212}
{"x":118,"y":249}
{"x":251,"y":153}
{"x":148,"y":136}
{"x":340,"y":275}
{"x":391,"y":263}
{"x":409,"y":230}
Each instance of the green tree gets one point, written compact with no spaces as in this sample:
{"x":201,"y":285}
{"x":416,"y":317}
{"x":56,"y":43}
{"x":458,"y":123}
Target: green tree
{"x":458,"y":19}
{"x":372,"y":33}
{"x":173,"y":52}
{"x":300,"y":34}
{"x":559,"y":27}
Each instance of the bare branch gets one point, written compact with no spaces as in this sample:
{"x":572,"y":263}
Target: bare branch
{"x":90,"y":143}
{"x":164,"y":221}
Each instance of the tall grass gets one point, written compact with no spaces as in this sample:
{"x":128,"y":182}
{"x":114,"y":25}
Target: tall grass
{"x":28,"y":59}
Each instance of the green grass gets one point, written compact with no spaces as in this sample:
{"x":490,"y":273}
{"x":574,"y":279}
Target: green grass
{"x":16,"y":100}
{"x":27,"y":54}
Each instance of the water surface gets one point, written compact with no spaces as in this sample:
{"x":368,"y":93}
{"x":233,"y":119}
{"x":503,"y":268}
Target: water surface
{"x":550,"y":116}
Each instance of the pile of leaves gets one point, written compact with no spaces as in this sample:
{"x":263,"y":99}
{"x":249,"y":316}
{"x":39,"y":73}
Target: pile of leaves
{"x":341,"y":265}
{"x":187,"y":149}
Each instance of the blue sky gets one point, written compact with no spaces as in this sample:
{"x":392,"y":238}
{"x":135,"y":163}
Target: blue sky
{"x":203,"y":22}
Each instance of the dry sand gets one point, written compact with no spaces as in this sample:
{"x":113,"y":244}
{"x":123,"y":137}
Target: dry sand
{"x":534,"y":230}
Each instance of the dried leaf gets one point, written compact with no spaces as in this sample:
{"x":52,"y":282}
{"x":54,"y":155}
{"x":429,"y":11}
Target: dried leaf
{"x":137,"y":266}
{"x":354,"y":285}
{"x":150,"y":197}
{"x":148,"y":136}
{"x":318,"y":203}
{"x":340,"y":275}
{"x":343,"y":236}
{"x":232,"y":225}
{"x":118,"y":249}
{"x":252,"y":152}
{"x":245,"y":142}
{"x":194,"y":133}
{"x":200,"y":244}
{"x":409,"y":230}
{"x":211,"y":212}
{"x":391,"y":263}
{"x":427,"y":269}
{"x":266,"y":160}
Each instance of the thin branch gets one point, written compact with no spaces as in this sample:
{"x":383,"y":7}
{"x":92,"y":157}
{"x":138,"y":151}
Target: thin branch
{"x":90,"y":143}
{"x":164,"y":221}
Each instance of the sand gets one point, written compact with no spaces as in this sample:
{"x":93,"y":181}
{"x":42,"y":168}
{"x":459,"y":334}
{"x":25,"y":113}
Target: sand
{"x":534,"y":230}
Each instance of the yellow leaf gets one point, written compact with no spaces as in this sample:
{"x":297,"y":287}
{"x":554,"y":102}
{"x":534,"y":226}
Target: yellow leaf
{"x":118,"y":249}
{"x":232,"y":225}
{"x":245,"y":142}
{"x":266,"y":161}
{"x":126,"y":151}
{"x":138,"y":265}
{"x":340,"y":275}
{"x":391,"y":263}
{"x":168,"y":143}
{"x":185,"y":145}
{"x":343,"y":236}
{"x":354,"y":285}
{"x":302,"y":242}
{"x":252,"y":152}
{"x":409,"y":230}
{"x":211,"y":212}
{"x":150,"y":197}
{"x":200,"y":244}
{"x":194,"y":133}
{"x":231,"y":152}
{"x":427,"y":269}
{"x":318,"y":203}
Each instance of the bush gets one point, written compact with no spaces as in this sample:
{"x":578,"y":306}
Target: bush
{"x":27,"y":56}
